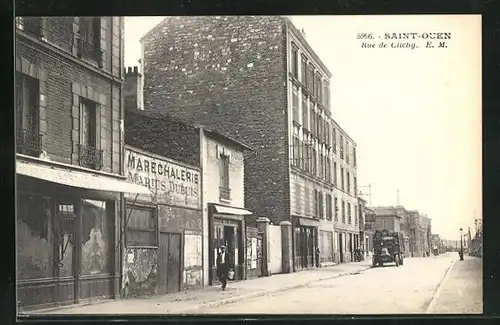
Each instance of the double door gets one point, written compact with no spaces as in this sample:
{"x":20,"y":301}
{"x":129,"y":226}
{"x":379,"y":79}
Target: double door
{"x":228,"y":233}
{"x":169,"y":263}
{"x":305,"y":246}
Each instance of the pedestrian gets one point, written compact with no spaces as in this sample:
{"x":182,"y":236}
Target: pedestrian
{"x":223,"y":266}
{"x":317,"y":257}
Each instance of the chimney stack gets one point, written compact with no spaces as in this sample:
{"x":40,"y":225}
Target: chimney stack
{"x":133,"y":89}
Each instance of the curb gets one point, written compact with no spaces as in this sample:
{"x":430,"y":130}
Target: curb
{"x":434,"y":299}
{"x":231,"y":300}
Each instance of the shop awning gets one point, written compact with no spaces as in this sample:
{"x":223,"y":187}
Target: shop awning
{"x":78,"y":179}
{"x":308,"y":222}
{"x":230,"y":210}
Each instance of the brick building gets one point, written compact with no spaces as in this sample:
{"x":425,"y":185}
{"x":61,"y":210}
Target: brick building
{"x":258,"y":80}
{"x":215,"y":216}
{"x":69,"y":159}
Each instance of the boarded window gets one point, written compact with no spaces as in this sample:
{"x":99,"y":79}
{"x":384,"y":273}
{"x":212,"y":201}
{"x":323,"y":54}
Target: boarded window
{"x":141,"y":226}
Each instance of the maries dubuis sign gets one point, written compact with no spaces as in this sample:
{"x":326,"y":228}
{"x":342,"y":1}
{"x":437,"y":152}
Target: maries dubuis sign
{"x":169,"y":182}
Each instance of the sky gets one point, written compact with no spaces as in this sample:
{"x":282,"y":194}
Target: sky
{"x":415,"y":114}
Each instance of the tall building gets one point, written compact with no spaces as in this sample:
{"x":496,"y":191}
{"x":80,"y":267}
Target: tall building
{"x":69,"y":141}
{"x":258,"y":80}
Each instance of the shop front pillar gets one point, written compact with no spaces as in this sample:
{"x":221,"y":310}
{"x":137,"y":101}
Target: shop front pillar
{"x":286,"y":247}
{"x":263,"y":226}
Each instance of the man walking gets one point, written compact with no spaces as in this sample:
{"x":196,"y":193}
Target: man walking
{"x":223,"y":261}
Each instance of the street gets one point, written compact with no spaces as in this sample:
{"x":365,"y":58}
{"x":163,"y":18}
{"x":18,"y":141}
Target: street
{"x":388,"y":290}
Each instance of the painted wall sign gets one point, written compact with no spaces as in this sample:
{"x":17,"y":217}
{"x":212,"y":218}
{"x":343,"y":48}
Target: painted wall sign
{"x":168,"y":182}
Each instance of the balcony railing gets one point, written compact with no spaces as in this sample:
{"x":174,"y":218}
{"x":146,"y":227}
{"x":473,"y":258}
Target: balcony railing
{"x":29,"y":142}
{"x":225,"y":193}
{"x":90,"y":157}
{"x":87,"y":50}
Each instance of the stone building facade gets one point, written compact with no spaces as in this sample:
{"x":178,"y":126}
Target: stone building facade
{"x":258,"y":80}
{"x":69,"y":141}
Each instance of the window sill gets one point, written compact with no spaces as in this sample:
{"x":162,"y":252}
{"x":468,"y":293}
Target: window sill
{"x":225,"y":200}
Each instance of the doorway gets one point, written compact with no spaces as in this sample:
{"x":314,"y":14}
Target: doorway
{"x":341,"y":248}
{"x":169,"y":263}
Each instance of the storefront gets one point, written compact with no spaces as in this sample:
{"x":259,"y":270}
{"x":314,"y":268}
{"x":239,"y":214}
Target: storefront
{"x":67,"y":234}
{"x":305,"y":242}
{"x":163,"y":238}
{"x":227,"y":225}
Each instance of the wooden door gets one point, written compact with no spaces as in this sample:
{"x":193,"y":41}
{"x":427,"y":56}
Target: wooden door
{"x":174,"y":264}
{"x":170,"y":263}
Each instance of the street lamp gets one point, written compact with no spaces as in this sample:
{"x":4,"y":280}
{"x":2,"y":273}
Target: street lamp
{"x":461,"y":246}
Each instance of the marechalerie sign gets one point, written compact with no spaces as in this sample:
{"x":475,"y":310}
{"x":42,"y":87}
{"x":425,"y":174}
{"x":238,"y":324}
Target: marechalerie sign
{"x":168,"y":182}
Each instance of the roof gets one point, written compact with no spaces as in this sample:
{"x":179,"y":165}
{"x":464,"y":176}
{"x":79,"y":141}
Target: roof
{"x":300,"y":36}
{"x":337,"y":126}
{"x":161,"y":23}
{"x":156,"y":114}
{"x":224,"y":137}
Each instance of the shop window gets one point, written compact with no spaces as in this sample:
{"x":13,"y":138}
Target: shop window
{"x":141,"y":227}
{"x":96,"y":238}
{"x":35,"y":237}
{"x":65,"y":225}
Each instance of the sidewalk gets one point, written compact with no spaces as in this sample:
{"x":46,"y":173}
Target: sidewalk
{"x":461,"y":291}
{"x":187,"y":302}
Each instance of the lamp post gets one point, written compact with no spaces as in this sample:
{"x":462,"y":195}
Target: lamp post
{"x":461,"y":246}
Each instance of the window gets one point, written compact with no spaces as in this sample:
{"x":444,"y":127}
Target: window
{"x":97,"y":238}
{"x":89,"y":153}
{"x":347,"y":153}
{"x":342,"y":178}
{"x":305,"y":112}
{"x":303,"y":70}
{"x":318,"y":87}
{"x":335,"y":209}
{"x":28,"y":137}
{"x":348,"y":176}
{"x":295,"y":104}
{"x":65,"y":224}
{"x":35,"y":237}
{"x":141,"y":226}
{"x":307,"y":200}
{"x":305,"y":152}
{"x":310,"y":157}
{"x":295,"y":62}
{"x":313,"y":122}
{"x":335,"y":173}
{"x":327,"y":128}
{"x":89,"y":43}
{"x":315,"y":210}
{"x":355,"y":215}
{"x":328,"y":170}
{"x":349,"y":216}
{"x":355,"y":184}
{"x":343,"y":211}
{"x":295,"y":151}
{"x":325,"y":95}
{"x":334,"y":138}
{"x":310,"y":77}
{"x":318,"y":126}
{"x":329,"y":207}
{"x":341,"y":146}
{"x":354,"y":156}
{"x":225,"y":192}
{"x":301,"y":154}
{"x":321,"y":206}
{"x":314,"y":162}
